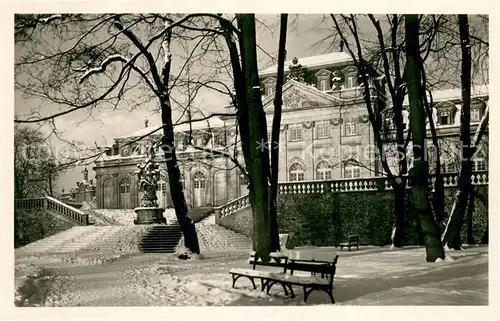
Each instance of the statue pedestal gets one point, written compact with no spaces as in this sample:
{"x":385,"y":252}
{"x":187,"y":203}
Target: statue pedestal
{"x":149,"y":215}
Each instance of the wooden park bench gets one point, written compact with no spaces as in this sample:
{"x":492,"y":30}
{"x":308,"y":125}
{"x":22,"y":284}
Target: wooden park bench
{"x":352,"y":241}
{"x":317,"y":266}
{"x":277,"y":260}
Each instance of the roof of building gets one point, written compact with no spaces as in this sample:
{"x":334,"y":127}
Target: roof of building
{"x":213,"y":122}
{"x":455,"y":93}
{"x":311,"y":62}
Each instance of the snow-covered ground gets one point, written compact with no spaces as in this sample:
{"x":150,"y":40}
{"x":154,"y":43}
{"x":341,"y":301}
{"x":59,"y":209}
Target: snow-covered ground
{"x":371,"y":276}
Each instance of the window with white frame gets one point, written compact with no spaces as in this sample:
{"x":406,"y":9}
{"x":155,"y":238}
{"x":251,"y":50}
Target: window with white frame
{"x":351,"y":171}
{"x":479,"y":162}
{"x":296,"y":133}
{"x":270,"y":89}
{"x":323,"y":84}
{"x":445,"y":118}
{"x":199,"y":180}
{"x":324,"y":170}
{"x":475,"y":115}
{"x":296,"y":172}
{"x":479,"y":165}
{"x":125,"y":186}
{"x":351,"y":129}
{"x":350,"y":82}
{"x":323,"y":130}
{"x":448,"y":166}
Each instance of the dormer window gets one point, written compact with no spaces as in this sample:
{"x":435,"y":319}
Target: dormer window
{"x":350,"y":82}
{"x":475,"y":115}
{"x":323,"y":85}
{"x":445,"y":118}
{"x":269,"y":86}
{"x":270,"y":90}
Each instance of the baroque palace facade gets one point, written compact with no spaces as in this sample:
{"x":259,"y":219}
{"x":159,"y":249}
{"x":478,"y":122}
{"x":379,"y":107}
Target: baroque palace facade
{"x":325,"y":135}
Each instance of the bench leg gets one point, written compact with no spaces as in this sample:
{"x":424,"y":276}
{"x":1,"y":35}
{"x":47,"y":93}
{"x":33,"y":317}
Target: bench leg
{"x":236,"y":277}
{"x":307,"y":292}
{"x":330,"y":294}
{"x":270,"y":283}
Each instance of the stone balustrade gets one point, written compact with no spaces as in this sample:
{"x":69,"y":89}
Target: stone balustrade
{"x":232,"y":206}
{"x":55,"y":205}
{"x":345,"y":185}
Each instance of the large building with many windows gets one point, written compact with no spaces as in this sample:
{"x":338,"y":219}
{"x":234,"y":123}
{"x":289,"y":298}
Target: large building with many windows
{"x":325,"y":135}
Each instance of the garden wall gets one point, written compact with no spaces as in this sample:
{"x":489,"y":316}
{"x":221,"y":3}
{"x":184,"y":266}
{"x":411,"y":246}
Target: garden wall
{"x":326,"y":219}
{"x":36,"y":224}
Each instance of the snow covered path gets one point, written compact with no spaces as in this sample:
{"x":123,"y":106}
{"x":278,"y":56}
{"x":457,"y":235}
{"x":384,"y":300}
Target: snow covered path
{"x":372,"y":276}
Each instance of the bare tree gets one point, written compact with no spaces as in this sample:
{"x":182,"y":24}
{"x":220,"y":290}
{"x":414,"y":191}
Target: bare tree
{"x":419,"y":176}
{"x":83,"y":62}
{"x":36,"y":168}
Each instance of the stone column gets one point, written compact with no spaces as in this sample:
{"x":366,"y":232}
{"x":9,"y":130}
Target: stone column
{"x":283,"y":162}
{"x":116,"y":191}
{"x":98,"y":188}
{"x":309,"y":149}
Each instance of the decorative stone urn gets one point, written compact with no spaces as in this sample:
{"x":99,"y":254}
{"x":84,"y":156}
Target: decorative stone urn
{"x":148,"y":175}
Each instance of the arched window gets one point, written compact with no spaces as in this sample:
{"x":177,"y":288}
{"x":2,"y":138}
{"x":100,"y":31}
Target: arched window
{"x":125,"y":193}
{"x":199,"y":180}
{"x":296,"y":172}
{"x":323,"y":170}
{"x":125,"y":186}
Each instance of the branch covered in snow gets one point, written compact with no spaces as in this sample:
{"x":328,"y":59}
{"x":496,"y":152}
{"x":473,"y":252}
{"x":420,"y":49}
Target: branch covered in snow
{"x":103,"y":66}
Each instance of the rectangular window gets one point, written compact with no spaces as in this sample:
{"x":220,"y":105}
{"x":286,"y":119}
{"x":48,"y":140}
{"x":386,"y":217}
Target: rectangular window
{"x":350,"y":82}
{"x":351,"y":129}
{"x":323,"y":131}
{"x":352,"y":172}
{"x":220,"y":140}
{"x":445,"y":118}
{"x":479,"y":165}
{"x":296,"y":133}
{"x":475,"y":115}
{"x":323,"y":84}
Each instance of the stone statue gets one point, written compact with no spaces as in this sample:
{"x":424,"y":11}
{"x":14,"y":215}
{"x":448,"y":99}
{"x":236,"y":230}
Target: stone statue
{"x":148,"y":177}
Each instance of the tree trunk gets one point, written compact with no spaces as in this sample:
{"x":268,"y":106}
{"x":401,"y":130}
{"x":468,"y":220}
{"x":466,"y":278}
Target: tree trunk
{"x":419,"y":175}
{"x":258,"y":155}
{"x":275,"y":139}
{"x":179,"y":201}
{"x":470,"y":212}
{"x":451,"y":236}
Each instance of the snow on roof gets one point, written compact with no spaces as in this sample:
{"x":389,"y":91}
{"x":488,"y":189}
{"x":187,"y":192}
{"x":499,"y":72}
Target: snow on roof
{"x":311,"y":62}
{"x":204,"y":124}
{"x":455,"y":93}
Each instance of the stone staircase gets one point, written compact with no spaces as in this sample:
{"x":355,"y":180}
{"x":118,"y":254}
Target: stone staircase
{"x":161,"y":239}
{"x":213,"y":237}
{"x":87,"y":238}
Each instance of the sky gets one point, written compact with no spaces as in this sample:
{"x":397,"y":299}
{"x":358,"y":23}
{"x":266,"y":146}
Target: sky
{"x":104,"y":125}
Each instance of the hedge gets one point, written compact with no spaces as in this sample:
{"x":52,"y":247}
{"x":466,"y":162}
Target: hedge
{"x":327,"y":219}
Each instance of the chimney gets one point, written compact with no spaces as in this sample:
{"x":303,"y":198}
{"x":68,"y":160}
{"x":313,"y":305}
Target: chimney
{"x":146,"y":121}
{"x":91,"y":182}
{"x":63,"y":190}
{"x":85,"y":174}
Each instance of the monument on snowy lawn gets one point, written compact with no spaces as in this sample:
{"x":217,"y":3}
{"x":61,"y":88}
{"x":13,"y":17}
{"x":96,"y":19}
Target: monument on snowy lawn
{"x":148,"y":175}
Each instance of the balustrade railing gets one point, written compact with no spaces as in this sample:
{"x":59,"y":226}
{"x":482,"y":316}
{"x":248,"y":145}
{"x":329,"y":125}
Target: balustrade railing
{"x":346,"y":185}
{"x":233,"y":206}
{"x":55,"y":205}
